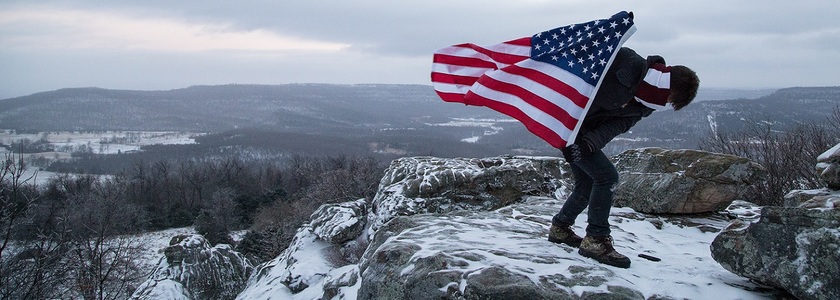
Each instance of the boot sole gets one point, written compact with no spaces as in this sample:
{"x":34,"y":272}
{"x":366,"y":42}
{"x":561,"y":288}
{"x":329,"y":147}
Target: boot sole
{"x":558,"y":241}
{"x":592,"y":255}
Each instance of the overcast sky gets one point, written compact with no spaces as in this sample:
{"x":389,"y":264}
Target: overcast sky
{"x":161,"y":45}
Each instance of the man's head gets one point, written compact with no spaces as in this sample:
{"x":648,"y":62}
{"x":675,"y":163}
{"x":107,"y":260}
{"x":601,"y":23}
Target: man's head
{"x":684,"y":84}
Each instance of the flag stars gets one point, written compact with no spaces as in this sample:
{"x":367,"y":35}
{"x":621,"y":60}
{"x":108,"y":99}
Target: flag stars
{"x":583,"y":49}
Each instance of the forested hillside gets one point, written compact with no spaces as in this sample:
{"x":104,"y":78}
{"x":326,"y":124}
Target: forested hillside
{"x":392,"y":120}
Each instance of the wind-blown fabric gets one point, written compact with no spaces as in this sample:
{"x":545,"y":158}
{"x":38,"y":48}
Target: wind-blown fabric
{"x":546,"y":81}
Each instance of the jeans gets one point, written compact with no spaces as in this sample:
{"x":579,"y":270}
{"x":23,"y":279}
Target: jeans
{"x":595,"y":177}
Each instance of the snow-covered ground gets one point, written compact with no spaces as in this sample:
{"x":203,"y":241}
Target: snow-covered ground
{"x":515,"y":240}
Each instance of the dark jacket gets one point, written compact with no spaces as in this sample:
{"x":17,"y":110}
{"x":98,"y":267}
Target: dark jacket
{"x":613,"y":110}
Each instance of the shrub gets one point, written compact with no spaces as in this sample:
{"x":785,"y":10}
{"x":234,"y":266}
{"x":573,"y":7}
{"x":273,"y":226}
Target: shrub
{"x":789,"y":156}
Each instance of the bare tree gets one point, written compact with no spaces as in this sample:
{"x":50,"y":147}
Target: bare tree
{"x":29,"y":265}
{"x":102,"y":260}
{"x":789,"y":156}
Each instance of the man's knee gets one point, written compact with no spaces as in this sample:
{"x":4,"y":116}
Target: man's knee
{"x":608,"y":176}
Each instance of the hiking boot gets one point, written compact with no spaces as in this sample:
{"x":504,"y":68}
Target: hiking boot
{"x":563,"y":235}
{"x":601,"y":249}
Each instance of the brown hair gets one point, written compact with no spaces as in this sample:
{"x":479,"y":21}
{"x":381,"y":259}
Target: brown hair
{"x":684,"y":84}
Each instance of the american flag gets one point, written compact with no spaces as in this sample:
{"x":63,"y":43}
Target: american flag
{"x":545,"y":81}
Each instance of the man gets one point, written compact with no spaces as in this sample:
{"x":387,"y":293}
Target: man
{"x":631,"y":89}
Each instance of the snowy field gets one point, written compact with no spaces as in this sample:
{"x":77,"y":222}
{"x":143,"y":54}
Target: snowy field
{"x":106,"y":142}
{"x":487,"y":126}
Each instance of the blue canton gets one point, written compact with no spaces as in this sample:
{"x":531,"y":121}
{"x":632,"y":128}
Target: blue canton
{"x":583,"y":49}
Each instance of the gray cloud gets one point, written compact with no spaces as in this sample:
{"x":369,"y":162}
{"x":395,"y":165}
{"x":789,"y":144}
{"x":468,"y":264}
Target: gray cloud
{"x":743,"y":44}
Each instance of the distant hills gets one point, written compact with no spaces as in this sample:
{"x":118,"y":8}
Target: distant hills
{"x":407,"y":119}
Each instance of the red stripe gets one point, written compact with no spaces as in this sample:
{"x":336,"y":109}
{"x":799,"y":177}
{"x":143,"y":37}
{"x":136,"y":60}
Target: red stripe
{"x":451,"y":97}
{"x":533,"y":99}
{"x":453,"y":79}
{"x":526,"y":41}
{"x":501,"y":57}
{"x":533,"y":126}
{"x":462,"y":61}
{"x":652,"y":94}
{"x":551,"y":82}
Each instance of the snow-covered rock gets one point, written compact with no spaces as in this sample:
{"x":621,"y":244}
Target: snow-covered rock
{"x":300,"y":270}
{"x":797,"y":249}
{"x":339,"y":223}
{"x":656,"y":180}
{"x":192,"y":269}
{"x":476,"y":229}
{"x":828,"y":166}
{"x":413,"y":185}
{"x":816,"y":198}
{"x":504,"y":254}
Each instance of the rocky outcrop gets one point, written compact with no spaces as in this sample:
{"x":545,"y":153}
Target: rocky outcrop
{"x":339,"y":223}
{"x":797,"y":249}
{"x":476,"y":229}
{"x":321,"y":258}
{"x":192,"y":269}
{"x":655,"y":180}
{"x":828,"y":167}
{"x":817,"y":198}
{"x":414,"y":185}
{"x":461,"y":255}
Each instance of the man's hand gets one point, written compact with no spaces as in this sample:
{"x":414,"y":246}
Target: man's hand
{"x":577,"y":151}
